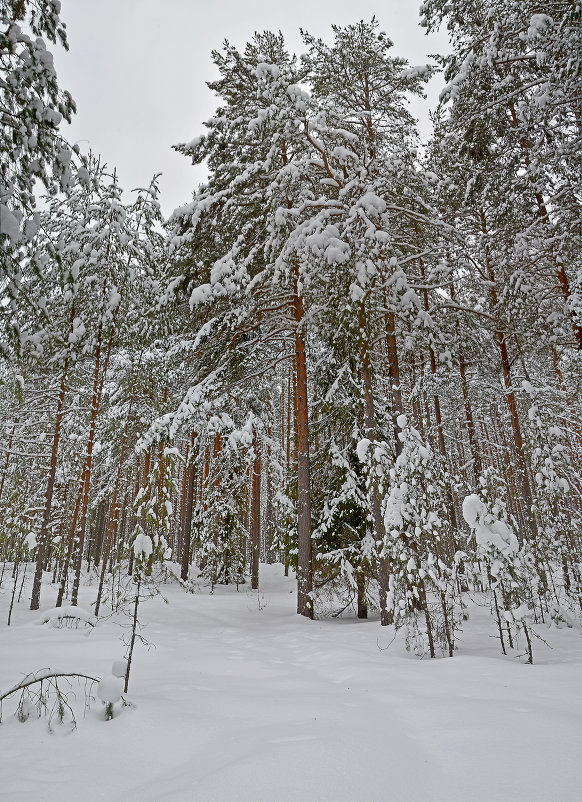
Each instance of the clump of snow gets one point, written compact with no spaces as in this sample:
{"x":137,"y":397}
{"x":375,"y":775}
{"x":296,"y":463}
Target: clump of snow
{"x":114,"y":299}
{"x":264,"y":70}
{"x":9,"y":224}
{"x":200,"y":295}
{"x":362,"y":448}
{"x":372,"y":204}
{"x":142,"y":545}
{"x":78,"y":330}
{"x":83,"y":176}
{"x":538,"y":25}
{"x":119,"y":668}
{"x":401,"y":421}
{"x":420,"y":71}
{"x":30,"y":541}
{"x":110,"y":690}
{"x":393,"y":519}
{"x":488,"y":533}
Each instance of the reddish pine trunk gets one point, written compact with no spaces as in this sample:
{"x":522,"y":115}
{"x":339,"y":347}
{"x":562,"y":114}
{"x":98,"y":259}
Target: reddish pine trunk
{"x":511,"y":400}
{"x":190,"y":492}
{"x":183,"y":503}
{"x":416,"y":405}
{"x":304,"y":559}
{"x":187,"y":529}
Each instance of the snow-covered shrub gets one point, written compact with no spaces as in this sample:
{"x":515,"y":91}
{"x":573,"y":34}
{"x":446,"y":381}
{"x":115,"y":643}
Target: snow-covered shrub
{"x":509,"y":567}
{"x":422,"y":593}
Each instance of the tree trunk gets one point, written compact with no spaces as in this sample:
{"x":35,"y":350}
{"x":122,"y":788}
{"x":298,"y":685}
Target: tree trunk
{"x":439,"y":424}
{"x":44,"y":529}
{"x":288,"y":463}
{"x":7,"y":462}
{"x":256,"y":514}
{"x":370,"y":432}
{"x":510,"y":396}
{"x":114,"y":511}
{"x":269,"y":506}
{"x":70,"y":548}
{"x":98,"y":382}
{"x":471,"y":431}
{"x":362,"y":604}
{"x":188,"y":509}
{"x":304,"y":559}
{"x":394,"y":374}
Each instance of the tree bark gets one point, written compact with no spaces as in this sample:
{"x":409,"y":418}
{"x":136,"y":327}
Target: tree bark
{"x":7,"y":462}
{"x":439,"y":424}
{"x":113,"y":519}
{"x":98,"y":382}
{"x":362,"y":604}
{"x":510,"y":395}
{"x":304,"y":557}
{"x":70,"y":548}
{"x":188,"y":509}
{"x":44,"y":529}
{"x":256,"y":514}
{"x":394,"y":374}
{"x":370,"y":432}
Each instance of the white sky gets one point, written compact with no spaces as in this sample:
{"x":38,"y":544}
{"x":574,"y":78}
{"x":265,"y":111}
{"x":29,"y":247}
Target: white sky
{"x":137,"y":71}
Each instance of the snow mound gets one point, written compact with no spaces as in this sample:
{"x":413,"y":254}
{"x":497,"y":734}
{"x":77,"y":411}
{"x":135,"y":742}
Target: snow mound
{"x":57,"y":616}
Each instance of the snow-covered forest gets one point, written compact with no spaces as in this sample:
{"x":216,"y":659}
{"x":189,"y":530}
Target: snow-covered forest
{"x":343,"y":381}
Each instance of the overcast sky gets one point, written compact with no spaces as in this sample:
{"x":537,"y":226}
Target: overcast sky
{"x":137,"y":70}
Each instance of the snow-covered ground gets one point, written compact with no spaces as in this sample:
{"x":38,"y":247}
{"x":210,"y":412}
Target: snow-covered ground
{"x":241,"y":699}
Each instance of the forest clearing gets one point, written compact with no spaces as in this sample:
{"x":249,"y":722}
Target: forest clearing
{"x":240,"y":698}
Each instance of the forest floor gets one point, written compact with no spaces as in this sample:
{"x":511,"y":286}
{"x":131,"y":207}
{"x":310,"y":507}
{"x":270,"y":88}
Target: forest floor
{"x":239,"y":698}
